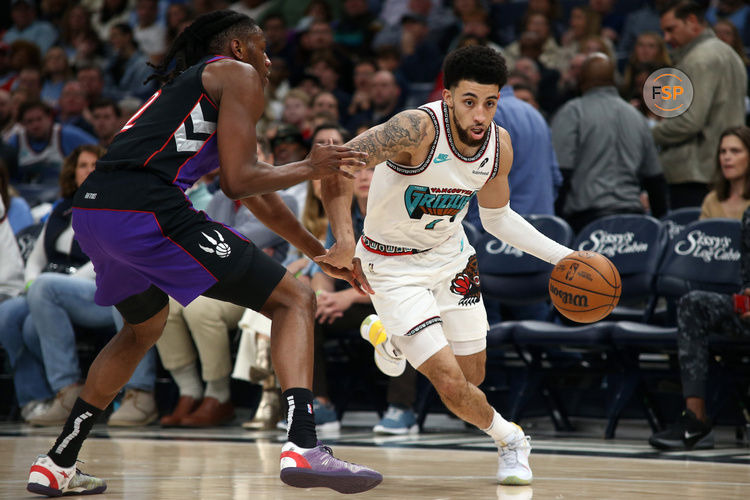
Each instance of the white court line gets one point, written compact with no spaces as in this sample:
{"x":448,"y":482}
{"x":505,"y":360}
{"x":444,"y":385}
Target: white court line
{"x":141,"y":477}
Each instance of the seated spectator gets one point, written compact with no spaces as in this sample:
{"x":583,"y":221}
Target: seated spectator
{"x":649,"y":48}
{"x":297,"y":111}
{"x":27,"y":27}
{"x":700,"y":314}
{"x":730,"y":193}
{"x":90,"y":50}
{"x":37,"y":328}
{"x":363,"y":73}
{"x":55,"y":72}
{"x":149,"y":33}
{"x":126,"y":68}
{"x":91,"y":78}
{"x":75,"y":22}
{"x":328,"y":71}
{"x":540,"y":24}
{"x":30,"y":81}
{"x":729,"y":34}
{"x":604,"y":162}
{"x":179,"y":16}
{"x":325,"y":103}
{"x":385,"y":96}
{"x":72,"y":107}
{"x":584,"y":21}
{"x":106,"y":118}
{"x":42,"y":145}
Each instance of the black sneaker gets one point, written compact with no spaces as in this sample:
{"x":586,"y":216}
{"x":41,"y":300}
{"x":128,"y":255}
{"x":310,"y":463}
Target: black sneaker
{"x":688,"y":433}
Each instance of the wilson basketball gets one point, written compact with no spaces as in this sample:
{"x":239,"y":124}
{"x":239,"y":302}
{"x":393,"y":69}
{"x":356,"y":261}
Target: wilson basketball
{"x":585,"y":286}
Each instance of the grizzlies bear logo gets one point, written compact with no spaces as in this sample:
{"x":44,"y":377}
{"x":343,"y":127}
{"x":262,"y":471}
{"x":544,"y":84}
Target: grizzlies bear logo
{"x":466,"y":283}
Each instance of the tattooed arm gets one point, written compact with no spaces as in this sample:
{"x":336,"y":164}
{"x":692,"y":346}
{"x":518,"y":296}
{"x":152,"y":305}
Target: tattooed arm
{"x":405,"y":139}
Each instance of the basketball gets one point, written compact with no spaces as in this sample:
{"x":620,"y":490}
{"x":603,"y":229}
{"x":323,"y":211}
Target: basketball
{"x":585,"y":286}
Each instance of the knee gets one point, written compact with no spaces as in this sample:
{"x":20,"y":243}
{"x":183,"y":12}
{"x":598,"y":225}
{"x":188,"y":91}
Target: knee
{"x":41,"y":289}
{"x":476,"y":376}
{"x":148,"y":332}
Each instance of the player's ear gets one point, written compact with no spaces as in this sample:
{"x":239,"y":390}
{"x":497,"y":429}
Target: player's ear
{"x":448,"y":97}
{"x":236,"y":48}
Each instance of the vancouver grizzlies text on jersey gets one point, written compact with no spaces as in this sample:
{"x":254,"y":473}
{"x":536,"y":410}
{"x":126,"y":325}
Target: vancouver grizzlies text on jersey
{"x":419,"y":207}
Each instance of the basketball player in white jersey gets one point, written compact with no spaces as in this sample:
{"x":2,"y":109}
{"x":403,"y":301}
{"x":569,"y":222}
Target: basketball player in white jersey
{"x":429,"y":162}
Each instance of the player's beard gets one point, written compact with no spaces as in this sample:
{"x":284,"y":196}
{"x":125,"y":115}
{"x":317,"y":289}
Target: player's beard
{"x":464,"y":136}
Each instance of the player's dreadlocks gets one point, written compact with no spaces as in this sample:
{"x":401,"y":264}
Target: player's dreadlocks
{"x":206,"y":35}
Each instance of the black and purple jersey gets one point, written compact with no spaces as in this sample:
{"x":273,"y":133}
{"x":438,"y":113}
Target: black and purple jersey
{"x":173,"y":134}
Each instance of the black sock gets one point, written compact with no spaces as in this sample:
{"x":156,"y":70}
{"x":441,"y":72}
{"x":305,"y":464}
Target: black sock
{"x":80,"y":421}
{"x":301,"y":417}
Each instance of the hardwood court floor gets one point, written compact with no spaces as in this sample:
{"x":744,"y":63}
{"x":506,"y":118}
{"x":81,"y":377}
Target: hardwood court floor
{"x":228,"y":463}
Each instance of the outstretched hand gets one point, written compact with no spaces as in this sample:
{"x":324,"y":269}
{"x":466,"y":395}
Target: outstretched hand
{"x":329,"y":159}
{"x":354,"y":276}
{"x":337,"y":256}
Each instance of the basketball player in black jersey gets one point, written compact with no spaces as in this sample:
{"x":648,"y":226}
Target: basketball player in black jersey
{"x":146,"y":241}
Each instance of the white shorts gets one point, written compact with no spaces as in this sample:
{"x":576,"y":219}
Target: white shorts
{"x":437,"y":287}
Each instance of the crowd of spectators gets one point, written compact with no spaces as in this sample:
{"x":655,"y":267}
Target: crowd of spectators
{"x":72,"y":72}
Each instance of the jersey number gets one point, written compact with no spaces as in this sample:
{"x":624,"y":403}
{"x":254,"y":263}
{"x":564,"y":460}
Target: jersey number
{"x":432,"y":224}
{"x":138,"y":113}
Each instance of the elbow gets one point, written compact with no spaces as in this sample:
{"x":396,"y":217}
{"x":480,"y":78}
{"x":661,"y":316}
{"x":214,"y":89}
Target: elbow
{"x":229,"y":190}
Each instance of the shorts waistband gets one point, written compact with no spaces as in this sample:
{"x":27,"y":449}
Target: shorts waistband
{"x":383,"y":249}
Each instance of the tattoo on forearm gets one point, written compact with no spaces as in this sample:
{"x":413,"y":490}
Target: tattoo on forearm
{"x":403,"y":131}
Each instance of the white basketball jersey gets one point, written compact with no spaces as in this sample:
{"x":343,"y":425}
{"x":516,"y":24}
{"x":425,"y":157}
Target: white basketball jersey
{"x":419,"y":207}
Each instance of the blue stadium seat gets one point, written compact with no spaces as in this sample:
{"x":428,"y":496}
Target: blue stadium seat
{"x":705,"y":255}
{"x":676,"y":220}
{"x":634,"y":243}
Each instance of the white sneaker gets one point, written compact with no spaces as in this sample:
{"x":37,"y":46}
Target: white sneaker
{"x":387,"y":358}
{"x":48,"y":478}
{"x":513,"y":461}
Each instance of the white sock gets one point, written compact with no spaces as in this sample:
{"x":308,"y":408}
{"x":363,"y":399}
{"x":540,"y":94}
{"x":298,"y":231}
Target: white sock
{"x":500,"y":430}
{"x":188,"y":381}
{"x":218,"y":389}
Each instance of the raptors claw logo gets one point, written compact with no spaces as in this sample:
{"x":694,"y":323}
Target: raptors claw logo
{"x":466,"y":283}
{"x":220,"y":248}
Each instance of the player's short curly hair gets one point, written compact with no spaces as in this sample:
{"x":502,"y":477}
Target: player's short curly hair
{"x":477,"y":64}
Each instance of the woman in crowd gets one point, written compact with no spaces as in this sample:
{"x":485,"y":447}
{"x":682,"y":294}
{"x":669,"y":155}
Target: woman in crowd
{"x":730,"y":193}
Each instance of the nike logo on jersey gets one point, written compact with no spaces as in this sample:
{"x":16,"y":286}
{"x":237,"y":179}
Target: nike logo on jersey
{"x":220,"y":248}
{"x":441,"y":158}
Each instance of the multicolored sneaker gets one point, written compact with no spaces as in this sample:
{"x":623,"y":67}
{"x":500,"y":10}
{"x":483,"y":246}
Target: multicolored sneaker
{"x":387,"y":358}
{"x":513,"y":461}
{"x":48,"y":478}
{"x":313,"y":467}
